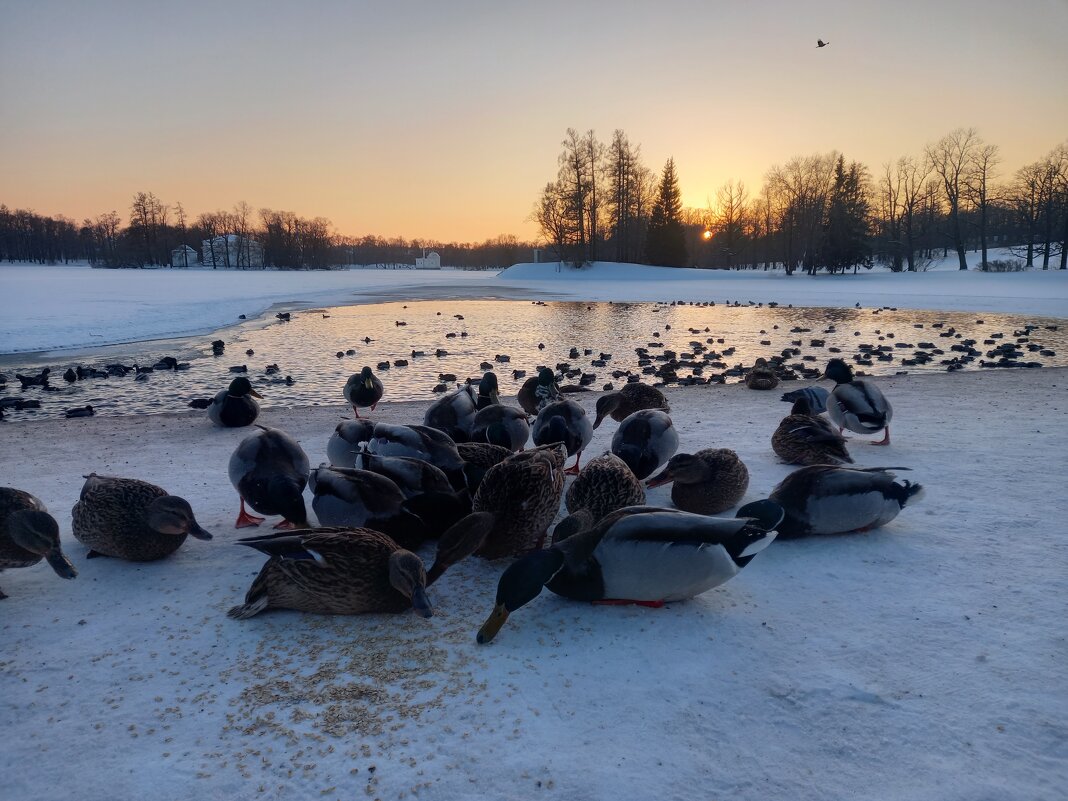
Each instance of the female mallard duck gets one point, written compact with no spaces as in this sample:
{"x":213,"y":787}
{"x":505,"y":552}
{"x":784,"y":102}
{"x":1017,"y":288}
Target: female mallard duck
{"x":761,"y":376}
{"x":707,"y":482}
{"x":420,"y":442}
{"x":506,"y":426}
{"x":344,"y":444}
{"x":131,"y":519}
{"x":630,"y":399}
{"x":522,"y":496}
{"x":363,"y":390}
{"x":478,"y":457}
{"x":234,"y":407}
{"x":645,"y":440}
{"x":828,"y":499}
{"x":269,"y":470}
{"x":488,"y":391}
{"x":804,"y":438}
{"x":639,"y":554}
{"x":412,"y":476}
{"x":453,"y":414}
{"x":538,"y":390}
{"x":338,"y":571}
{"x":29,"y":534}
{"x":857,"y":405}
{"x":564,"y":422}
{"x":604,"y":485}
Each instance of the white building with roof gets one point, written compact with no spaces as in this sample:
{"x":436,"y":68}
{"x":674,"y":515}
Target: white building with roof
{"x":185,"y":256}
{"x":428,"y":261}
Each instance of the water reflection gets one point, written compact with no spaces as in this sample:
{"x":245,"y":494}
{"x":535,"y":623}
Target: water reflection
{"x":306,"y":348}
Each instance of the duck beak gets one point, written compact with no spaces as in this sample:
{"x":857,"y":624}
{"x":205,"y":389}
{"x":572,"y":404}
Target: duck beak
{"x":658,"y":481}
{"x":369,"y":384}
{"x":255,"y":394}
{"x":598,"y":420}
{"x":61,"y":564}
{"x":421,"y":604}
{"x":196,"y":531}
{"x":492,"y":625}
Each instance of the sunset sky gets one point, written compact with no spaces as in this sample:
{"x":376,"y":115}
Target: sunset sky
{"x":443,"y":120}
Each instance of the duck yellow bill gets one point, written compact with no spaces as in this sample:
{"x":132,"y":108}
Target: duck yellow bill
{"x":369,"y":384}
{"x":255,"y":394}
{"x":656,"y":481}
{"x":492,"y":625}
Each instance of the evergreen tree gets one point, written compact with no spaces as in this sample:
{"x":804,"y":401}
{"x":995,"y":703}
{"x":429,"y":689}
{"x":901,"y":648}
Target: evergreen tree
{"x":665,"y":242}
{"x":845,"y":233}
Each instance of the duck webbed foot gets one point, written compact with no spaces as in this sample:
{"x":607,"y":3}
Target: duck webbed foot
{"x":244,"y":519}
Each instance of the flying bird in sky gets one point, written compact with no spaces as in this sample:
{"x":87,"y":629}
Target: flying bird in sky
{"x":821,"y":43}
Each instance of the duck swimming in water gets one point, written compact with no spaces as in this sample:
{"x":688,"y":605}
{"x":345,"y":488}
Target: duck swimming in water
{"x":859,"y":406}
{"x":235,"y":406}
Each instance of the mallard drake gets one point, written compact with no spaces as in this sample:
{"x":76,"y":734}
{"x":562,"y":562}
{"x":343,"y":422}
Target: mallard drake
{"x":645,"y":440}
{"x":707,"y":482}
{"x":816,"y":397}
{"x":344,"y":444}
{"x":478,"y":457}
{"x":640,"y":554}
{"x":269,"y":470}
{"x":235,"y":406}
{"x":488,"y":391}
{"x":420,"y":442}
{"x":338,"y":571}
{"x":29,"y":534}
{"x":804,"y":438}
{"x":507,"y":426}
{"x":363,"y":390}
{"x":412,"y":476}
{"x":828,"y":499}
{"x":859,"y":406}
{"x":127,"y":518}
{"x":537,"y":391}
{"x":761,"y":376}
{"x":353,"y":498}
{"x":604,"y":485}
{"x":629,"y":399}
{"x":564,"y":422}
{"x":522,"y":494}
{"x":453,"y":414}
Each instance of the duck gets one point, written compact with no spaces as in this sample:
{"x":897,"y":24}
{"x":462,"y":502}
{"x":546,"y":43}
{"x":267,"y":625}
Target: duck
{"x":454,"y":413}
{"x":28,"y":534}
{"x":707,"y":482}
{"x":639,"y":554}
{"x":344,"y":444}
{"x":537,"y":391}
{"x":807,"y":439}
{"x":857,"y":405}
{"x":488,"y":391}
{"x":269,"y":470}
{"x":604,"y":485}
{"x":631,"y":398}
{"x":354,"y":498}
{"x":350,"y":571}
{"x":412,"y":476}
{"x":761,"y":376}
{"x":126,"y":518}
{"x":522,"y":495}
{"x":420,"y":442}
{"x":645,"y":440}
{"x":507,"y":426}
{"x":235,"y":406}
{"x":478,"y":457}
{"x":831,"y":499}
{"x":564,"y":422}
{"x":816,"y":397}
{"x":363,"y":390}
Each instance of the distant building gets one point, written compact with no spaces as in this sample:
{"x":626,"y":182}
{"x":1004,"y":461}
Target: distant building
{"x":429,"y":261}
{"x":233,"y":251}
{"x":184,"y":256}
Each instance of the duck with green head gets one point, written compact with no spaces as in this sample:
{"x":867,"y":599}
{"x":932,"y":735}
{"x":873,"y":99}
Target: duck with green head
{"x":269,"y":470}
{"x":235,"y":407}
{"x":363,"y":390}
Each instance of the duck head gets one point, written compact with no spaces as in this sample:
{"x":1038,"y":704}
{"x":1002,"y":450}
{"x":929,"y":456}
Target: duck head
{"x":460,"y":541}
{"x":408,"y":577}
{"x":838,"y":371}
{"x":488,"y":388}
{"x":240,"y":387}
{"x":802,"y":406}
{"x":367,"y":378}
{"x":288,"y":494}
{"x":38,"y":533}
{"x":546,"y":378}
{"x":170,"y":514}
{"x":684,"y":468}
{"x":520,"y":584}
{"x":606,"y":404}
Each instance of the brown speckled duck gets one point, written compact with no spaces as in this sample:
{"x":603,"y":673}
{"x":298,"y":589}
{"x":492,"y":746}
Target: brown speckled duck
{"x":348,"y":571}
{"x":806,"y":439}
{"x":707,"y":482}
{"x":629,"y":399}
{"x":29,"y":534}
{"x":761,"y":376}
{"x":604,"y":485}
{"x":131,"y":519}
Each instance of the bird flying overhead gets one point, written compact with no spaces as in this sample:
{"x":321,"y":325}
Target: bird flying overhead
{"x":821,"y":43}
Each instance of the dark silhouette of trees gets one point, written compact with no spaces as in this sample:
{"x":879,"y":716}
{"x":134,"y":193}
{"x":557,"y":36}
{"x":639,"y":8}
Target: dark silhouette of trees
{"x":665,"y":242}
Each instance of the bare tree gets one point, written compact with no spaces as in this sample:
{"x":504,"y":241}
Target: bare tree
{"x":984,"y":160}
{"x":913,"y":189}
{"x":952,"y":160}
{"x":732,"y":207}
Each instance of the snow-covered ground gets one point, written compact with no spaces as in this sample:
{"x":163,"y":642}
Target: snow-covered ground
{"x":924,"y":660}
{"x":63,"y":307}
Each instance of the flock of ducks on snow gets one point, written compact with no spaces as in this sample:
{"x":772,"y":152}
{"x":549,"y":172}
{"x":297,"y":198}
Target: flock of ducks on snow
{"x":465,"y":478}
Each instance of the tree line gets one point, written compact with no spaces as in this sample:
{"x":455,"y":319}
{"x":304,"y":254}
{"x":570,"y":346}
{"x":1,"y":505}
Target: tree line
{"x":154,"y":229}
{"x":818,"y":212}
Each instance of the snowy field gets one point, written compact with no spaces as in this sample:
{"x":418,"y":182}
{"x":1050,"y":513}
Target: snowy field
{"x":65,"y":307}
{"x":924,"y":660}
